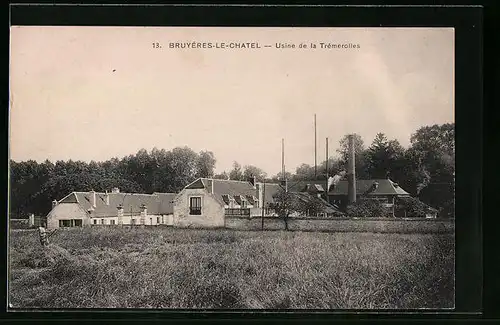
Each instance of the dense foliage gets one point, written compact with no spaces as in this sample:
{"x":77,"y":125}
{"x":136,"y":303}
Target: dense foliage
{"x":34,"y":185}
{"x":368,"y":208}
{"x":426,"y":170}
{"x":412,"y":208}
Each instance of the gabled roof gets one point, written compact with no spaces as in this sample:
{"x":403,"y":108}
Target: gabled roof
{"x":224,"y":189}
{"x":157,"y":203}
{"x":367,"y":187}
{"x":228,"y":187}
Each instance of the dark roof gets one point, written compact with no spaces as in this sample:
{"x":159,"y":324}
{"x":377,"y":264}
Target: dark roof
{"x":270,"y":190}
{"x":311,"y":186}
{"x":366,"y":187}
{"x":228,"y":187}
{"x":157,"y":203}
{"x":225,"y":189}
{"x":325,"y":206}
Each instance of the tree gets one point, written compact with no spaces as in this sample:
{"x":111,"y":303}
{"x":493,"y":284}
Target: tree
{"x":286,"y":203}
{"x":182,"y":167}
{"x":432,"y":154}
{"x":205,"y":164}
{"x":283,"y":205}
{"x":383,"y":157}
{"x":33,"y":186}
{"x":279,"y":176}
{"x":236,"y":174}
{"x":253,"y":171}
{"x":359,"y":150}
{"x":222,"y":175}
{"x":335,"y":166}
{"x":304,"y":172}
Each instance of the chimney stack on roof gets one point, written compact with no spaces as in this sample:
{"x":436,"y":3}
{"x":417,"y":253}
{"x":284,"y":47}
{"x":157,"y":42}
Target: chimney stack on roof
{"x":93,"y":198}
{"x":106,"y":197}
{"x":115,"y":190}
{"x":54,"y":203}
{"x":351,"y":171}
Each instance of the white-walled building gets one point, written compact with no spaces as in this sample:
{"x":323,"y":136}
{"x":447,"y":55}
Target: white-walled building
{"x":79,"y":209}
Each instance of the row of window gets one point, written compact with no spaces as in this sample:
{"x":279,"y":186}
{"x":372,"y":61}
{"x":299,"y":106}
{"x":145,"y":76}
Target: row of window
{"x":132,"y":221}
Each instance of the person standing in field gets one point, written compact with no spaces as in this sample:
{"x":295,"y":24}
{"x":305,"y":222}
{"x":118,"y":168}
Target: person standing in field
{"x":44,"y":240}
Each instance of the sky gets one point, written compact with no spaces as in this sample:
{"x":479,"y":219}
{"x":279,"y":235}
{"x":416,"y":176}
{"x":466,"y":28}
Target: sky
{"x":94,"y":93}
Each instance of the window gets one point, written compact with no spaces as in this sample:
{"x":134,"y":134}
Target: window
{"x":64,"y":223}
{"x":243,"y":204}
{"x":78,"y":222}
{"x":102,"y":222}
{"x":195,"y":205}
{"x":151,"y":221}
{"x":95,"y":221}
{"x":112,"y":222}
{"x":132,"y":221}
{"x":158,"y":220}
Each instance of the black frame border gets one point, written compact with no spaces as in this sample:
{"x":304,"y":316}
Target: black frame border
{"x":468,"y":24}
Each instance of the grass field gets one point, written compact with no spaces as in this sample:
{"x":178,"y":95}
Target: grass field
{"x":224,"y":269}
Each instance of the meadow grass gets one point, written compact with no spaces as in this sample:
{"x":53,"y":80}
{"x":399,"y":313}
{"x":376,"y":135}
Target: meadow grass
{"x":224,"y":269}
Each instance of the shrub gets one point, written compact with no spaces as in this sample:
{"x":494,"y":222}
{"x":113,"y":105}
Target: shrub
{"x":414,"y":208}
{"x":367,"y":208}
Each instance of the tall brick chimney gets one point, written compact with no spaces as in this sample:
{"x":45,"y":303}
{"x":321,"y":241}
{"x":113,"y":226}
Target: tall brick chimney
{"x":351,"y":172}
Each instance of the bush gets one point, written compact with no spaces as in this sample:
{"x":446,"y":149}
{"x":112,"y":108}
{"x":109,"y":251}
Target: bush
{"x":367,"y":208}
{"x":414,"y":208}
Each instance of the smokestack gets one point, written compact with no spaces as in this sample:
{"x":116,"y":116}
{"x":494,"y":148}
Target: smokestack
{"x":351,"y":172}
{"x":283,"y":159}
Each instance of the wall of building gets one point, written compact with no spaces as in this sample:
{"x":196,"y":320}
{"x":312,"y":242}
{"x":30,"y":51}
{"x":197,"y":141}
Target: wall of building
{"x":212,"y":212}
{"x":66,"y":211}
{"x":345,"y":225}
{"x":149,"y":220}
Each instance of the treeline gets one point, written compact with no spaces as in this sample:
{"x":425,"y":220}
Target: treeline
{"x":426,"y":170}
{"x":34,"y":185}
